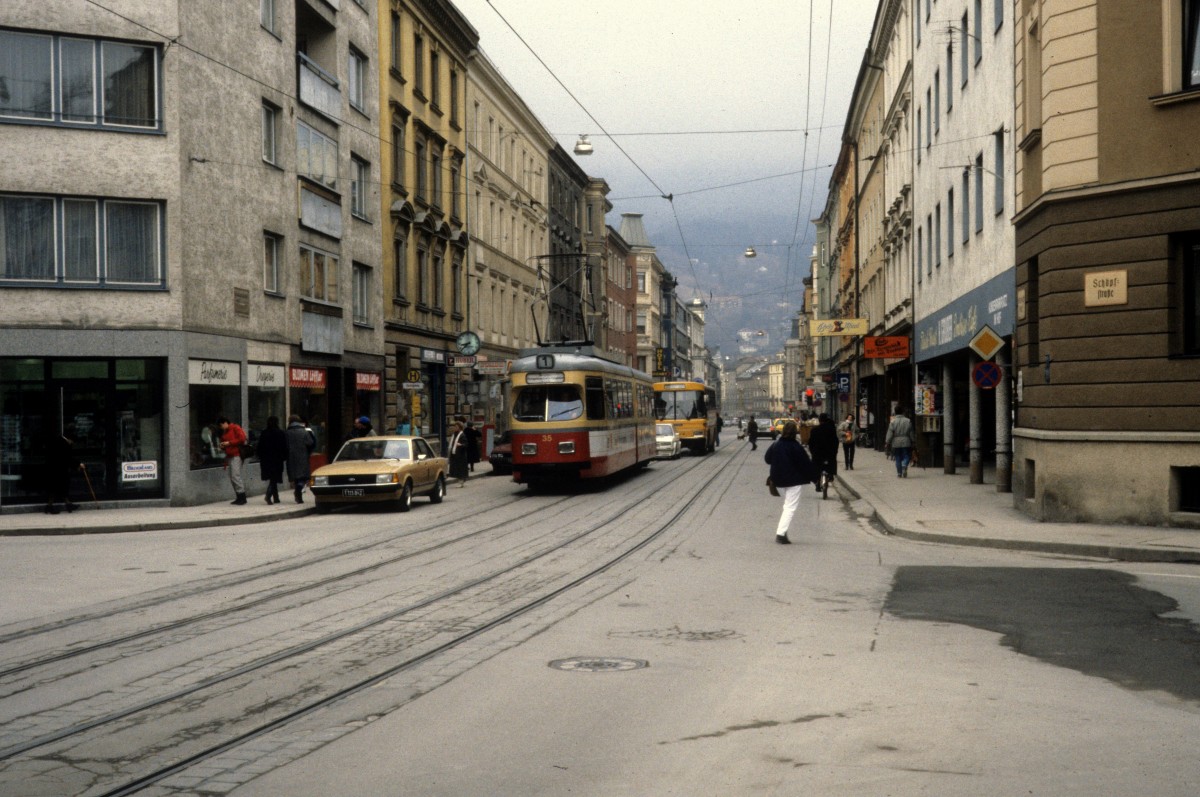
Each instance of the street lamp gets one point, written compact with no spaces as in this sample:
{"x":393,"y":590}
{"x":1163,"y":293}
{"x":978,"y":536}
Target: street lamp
{"x":749,"y":253}
{"x":583,"y":146}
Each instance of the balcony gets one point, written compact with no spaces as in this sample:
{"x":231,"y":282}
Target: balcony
{"x":318,"y":89}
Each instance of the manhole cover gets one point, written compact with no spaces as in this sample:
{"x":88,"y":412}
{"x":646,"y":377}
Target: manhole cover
{"x":598,"y":664}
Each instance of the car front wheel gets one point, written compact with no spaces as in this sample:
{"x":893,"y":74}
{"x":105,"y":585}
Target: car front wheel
{"x":404,"y":503}
{"x":438,"y":492}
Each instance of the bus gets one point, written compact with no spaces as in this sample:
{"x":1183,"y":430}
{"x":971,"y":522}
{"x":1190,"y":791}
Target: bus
{"x":691,"y":407}
{"x":578,"y":416}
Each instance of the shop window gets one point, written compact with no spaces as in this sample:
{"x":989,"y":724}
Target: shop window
{"x":214,"y":390}
{"x":265,"y":397}
{"x":1185,"y":489}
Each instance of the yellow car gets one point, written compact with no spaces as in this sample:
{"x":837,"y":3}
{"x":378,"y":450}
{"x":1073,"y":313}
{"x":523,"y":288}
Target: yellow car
{"x":777,"y":426}
{"x":370,"y":470}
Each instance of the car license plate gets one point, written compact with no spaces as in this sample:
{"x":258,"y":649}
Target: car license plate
{"x":353,"y":491}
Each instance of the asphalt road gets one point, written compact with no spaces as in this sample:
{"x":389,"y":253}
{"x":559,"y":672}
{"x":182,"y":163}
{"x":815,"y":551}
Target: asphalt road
{"x":643,"y":639}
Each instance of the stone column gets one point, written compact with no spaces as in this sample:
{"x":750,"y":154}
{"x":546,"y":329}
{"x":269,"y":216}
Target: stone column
{"x":976,"y":424}
{"x":948,"y":459}
{"x":1004,"y":425}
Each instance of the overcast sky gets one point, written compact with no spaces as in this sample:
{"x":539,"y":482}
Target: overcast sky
{"x":668,"y":79}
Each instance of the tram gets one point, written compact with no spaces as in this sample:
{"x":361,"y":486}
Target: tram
{"x":576,"y":415}
{"x":691,"y":407}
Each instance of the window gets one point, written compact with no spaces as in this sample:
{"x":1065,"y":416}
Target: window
{"x":950,"y":224}
{"x":963,"y":48}
{"x":999,"y":176}
{"x":456,"y":167}
{"x":318,"y":274}
{"x":1191,"y":294}
{"x":920,"y":252}
{"x":360,"y":175}
{"x":998,"y":10}
{"x":929,"y":244}
{"x":435,"y":83}
{"x":937,"y":235}
{"x":270,"y":262}
{"x":455,"y":282}
{"x":917,"y":24}
{"x":361,"y":302}
{"x":641,"y":282}
{"x":937,"y":101}
{"x":977,"y":37}
{"x":77,"y":81}
{"x":423,"y":276}
{"x":979,"y":192}
{"x":928,"y":114}
{"x":102,"y":242}
{"x":397,"y":152}
{"x":356,"y":80}
{"x":418,"y":65}
{"x":421,"y":169}
{"x":399,"y":268}
{"x":454,"y":97}
{"x":919,"y":124}
{"x":949,"y":77}
{"x":435,"y":173}
{"x":316,"y":156}
{"x":641,"y":322}
{"x":1191,"y":44}
{"x":266,"y":14}
{"x":397,"y":49}
{"x":270,"y":126}
{"x":966,"y":205}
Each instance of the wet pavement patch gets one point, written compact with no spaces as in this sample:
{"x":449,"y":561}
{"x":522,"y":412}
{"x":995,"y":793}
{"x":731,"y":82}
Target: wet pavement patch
{"x":1097,"y":622}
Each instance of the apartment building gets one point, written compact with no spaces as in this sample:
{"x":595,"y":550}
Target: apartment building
{"x":187,"y":231}
{"x":1108,"y":261}
{"x":621,"y":297}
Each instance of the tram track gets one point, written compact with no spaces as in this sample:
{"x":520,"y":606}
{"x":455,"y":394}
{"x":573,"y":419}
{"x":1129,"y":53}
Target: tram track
{"x":614,"y":515}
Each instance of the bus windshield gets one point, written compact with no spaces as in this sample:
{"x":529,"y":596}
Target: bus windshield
{"x":679,"y":405}
{"x":548,"y":403}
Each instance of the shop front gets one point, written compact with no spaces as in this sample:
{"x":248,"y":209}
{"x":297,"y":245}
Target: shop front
{"x":112,"y":410}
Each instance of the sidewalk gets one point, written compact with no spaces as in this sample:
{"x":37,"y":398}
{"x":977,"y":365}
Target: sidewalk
{"x":89,"y":519}
{"x":934,"y":507}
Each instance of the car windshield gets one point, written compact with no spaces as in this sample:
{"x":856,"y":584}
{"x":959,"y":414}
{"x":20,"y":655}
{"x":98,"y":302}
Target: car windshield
{"x":373,"y":448}
{"x":679,"y":405}
{"x":548,"y":403}
{"x":664,"y":430}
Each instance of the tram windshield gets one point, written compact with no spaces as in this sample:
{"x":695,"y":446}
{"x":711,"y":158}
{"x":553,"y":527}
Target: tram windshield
{"x":679,"y":405}
{"x":548,"y":403}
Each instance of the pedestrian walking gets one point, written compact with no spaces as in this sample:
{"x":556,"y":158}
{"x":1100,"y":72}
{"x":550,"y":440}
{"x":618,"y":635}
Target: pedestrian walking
{"x":458,"y":454}
{"x":474,"y":438}
{"x":899,"y":441}
{"x":752,"y":434}
{"x":233,"y":437}
{"x":791,"y":469}
{"x":846,"y":433}
{"x":717,"y":435}
{"x":61,"y":464}
{"x":300,"y":444}
{"x":823,"y":443}
{"x":272,"y":453}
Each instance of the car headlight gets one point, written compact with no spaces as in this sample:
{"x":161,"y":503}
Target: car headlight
{"x":387,"y":478}
{"x":320,"y":481}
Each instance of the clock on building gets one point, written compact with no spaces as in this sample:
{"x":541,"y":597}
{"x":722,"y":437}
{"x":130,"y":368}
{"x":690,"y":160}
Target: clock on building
{"x":468,"y":343}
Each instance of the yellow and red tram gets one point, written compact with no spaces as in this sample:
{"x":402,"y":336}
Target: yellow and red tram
{"x":578,"y":416}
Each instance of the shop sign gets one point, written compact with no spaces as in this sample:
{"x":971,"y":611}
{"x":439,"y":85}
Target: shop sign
{"x":433,"y":356}
{"x":412,"y":385}
{"x":492,"y":367}
{"x":139,"y":471}
{"x":214,"y":372}
{"x":835,"y":327}
{"x":461,"y":360}
{"x":885,"y":348}
{"x":270,"y":377}
{"x":307,"y":377}
{"x":368,"y":380}
{"x":951,"y":328}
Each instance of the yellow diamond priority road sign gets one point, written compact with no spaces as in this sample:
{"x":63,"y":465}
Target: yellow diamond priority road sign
{"x":986,"y":343}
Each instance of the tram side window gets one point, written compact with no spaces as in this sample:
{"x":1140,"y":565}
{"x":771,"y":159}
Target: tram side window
{"x":594,"y":387}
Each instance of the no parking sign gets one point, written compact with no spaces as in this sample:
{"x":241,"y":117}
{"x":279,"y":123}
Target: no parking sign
{"x":986,"y":375}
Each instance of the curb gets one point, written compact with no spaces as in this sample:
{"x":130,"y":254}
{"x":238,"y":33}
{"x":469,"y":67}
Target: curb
{"x":159,"y":525}
{"x":1121,"y":553}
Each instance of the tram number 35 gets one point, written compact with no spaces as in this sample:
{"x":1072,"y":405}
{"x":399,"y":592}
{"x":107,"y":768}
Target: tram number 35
{"x":547,"y":438}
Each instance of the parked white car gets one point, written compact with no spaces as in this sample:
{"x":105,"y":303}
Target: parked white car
{"x":668,"y":441}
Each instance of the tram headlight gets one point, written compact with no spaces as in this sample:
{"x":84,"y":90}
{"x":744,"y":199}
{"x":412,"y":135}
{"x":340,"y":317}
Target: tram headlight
{"x":529,"y":449}
{"x":566,"y":447}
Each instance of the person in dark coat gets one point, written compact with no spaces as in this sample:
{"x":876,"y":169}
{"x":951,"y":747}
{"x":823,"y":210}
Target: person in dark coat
{"x":823,"y":443}
{"x":791,"y":469}
{"x":300,"y":445}
{"x":474,"y":439}
{"x":272,"y":453}
{"x":752,"y":433}
{"x":61,"y":464}
{"x":457,"y":449}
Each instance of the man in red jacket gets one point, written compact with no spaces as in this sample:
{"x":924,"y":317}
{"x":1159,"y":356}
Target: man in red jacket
{"x":233,"y":437}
